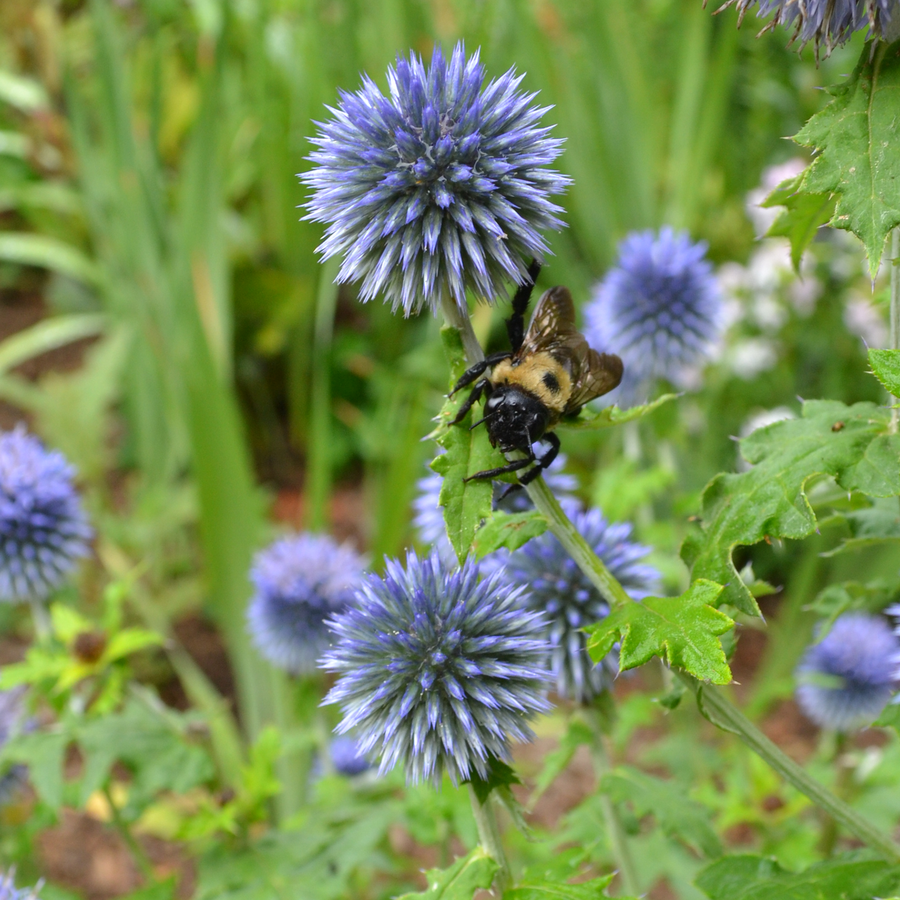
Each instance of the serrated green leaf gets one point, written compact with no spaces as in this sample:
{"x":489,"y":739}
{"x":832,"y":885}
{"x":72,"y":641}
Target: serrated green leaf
{"x":467,"y":505}
{"x":588,"y":420}
{"x":595,"y":889}
{"x":677,"y":815}
{"x":43,"y":752}
{"x":804,"y":214}
{"x":886,"y":368}
{"x":555,"y":762}
{"x":683,"y":631}
{"x":461,"y":880}
{"x":856,"y":138}
{"x":758,"y":878}
{"x":850,"y":443}
{"x":878,"y":524}
{"x":890,"y":717}
{"x":509,"y":530}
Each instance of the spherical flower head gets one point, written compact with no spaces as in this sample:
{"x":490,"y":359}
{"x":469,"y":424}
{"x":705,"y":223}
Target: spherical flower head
{"x":439,"y":188}
{"x":43,"y":529}
{"x":437,"y":670}
{"x":428,"y":518}
{"x":827,"y":23}
{"x":552,"y":582}
{"x":9,"y":891}
{"x":845,"y":680}
{"x":346,"y":757}
{"x":11,"y":721}
{"x":659,"y":308}
{"x":300,"y":581}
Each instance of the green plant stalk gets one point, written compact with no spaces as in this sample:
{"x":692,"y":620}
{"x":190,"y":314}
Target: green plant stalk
{"x":895,"y":309}
{"x":43,"y":628}
{"x":489,"y":836}
{"x":725,"y":715}
{"x":829,"y":832}
{"x":730,"y":718}
{"x":137,"y":851}
{"x":617,"y":838}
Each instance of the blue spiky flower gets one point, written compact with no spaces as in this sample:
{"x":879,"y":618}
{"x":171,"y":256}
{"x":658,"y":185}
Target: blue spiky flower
{"x":11,"y":721}
{"x":440,"y":188}
{"x":551,"y":581}
{"x":428,"y":518}
{"x":300,"y":581}
{"x":43,"y":529}
{"x":827,"y":23}
{"x":9,"y":891}
{"x":659,"y":308}
{"x":437,"y":670}
{"x":845,"y":680}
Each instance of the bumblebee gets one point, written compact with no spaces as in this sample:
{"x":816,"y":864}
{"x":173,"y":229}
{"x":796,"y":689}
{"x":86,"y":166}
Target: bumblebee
{"x":548,"y":374}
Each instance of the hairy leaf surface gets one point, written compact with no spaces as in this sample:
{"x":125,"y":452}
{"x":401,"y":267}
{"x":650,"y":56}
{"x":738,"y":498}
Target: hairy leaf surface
{"x":856,"y":138}
{"x":683,"y":631}
{"x":850,"y":443}
{"x":461,"y":880}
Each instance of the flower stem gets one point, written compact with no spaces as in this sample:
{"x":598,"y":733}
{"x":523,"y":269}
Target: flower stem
{"x":454,"y":316}
{"x":489,"y":836}
{"x":137,"y":851}
{"x":895,"y":307}
{"x":728,"y":717}
{"x":617,"y":837}
{"x":43,"y":627}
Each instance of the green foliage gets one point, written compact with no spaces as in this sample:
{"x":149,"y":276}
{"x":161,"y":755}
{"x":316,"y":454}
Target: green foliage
{"x":500,"y":777}
{"x":467,"y":505}
{"x":595,"y":889}
{"x":508,"y":530}
{"x":758,"y":878}
{"x":677,"y":815}
{"x":682,"y":631}
{"x":805,"y":213}
{"x":854,"y":139}
{"x":587,"y":420}
{"x":886,"y":366}
{"x":461,"y":880}
{"x":850,"y":443}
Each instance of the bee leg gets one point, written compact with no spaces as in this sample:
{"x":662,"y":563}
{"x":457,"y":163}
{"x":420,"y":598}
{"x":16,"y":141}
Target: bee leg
{"x":515,"y":324}
{"x":544,"y":462}
{"x":471,"y":400}
{"x":479,"y":369}
{"x":500,"y":470}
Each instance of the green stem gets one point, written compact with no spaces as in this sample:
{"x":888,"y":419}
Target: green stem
{"x":728,"y":717}
{"x":43,"y":627}
{"x":895,"y":306}
{"x":829,"y":833}
{"x":137,"y":851}
{"x":617,"y":837}
{"x":454,"y":316}
{"x":489,"y":836}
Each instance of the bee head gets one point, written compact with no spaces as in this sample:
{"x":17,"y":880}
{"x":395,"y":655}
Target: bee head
{"x":515,"y":419}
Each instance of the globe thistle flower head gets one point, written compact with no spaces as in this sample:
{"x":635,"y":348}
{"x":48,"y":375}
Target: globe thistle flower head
{"x":428,"y":518}
{"x":439,"y":188}
{"x":437,"y":670}
{"x":659,"y":308}
{"x":346,"y":757}
{"x":300,"y":581}
{"x":43,"y":528}
{"x":845,"y":680}
{"x":551,"y":581}
{"x":11,"y":721}
{"x":825,"y":23}
{"x":9,"y":891}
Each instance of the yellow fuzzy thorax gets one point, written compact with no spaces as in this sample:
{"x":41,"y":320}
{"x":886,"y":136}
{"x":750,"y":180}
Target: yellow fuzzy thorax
{"x":541,"y":375}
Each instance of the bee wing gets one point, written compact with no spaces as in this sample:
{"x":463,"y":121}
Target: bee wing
{"x":598,"y":374}
{"x":552,"y":330}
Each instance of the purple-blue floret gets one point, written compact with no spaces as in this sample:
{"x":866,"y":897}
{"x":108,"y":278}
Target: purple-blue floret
{"x":300,"y":582}
{"x":826,"y":23}
{"x":43,"y":528}
{"x":439,"y":188}
{"x":552,"y":582}
{"x":659,"y":307}
{"x":846,"y":679}
{"x":9,"y":891}
{"x":437,"y":670}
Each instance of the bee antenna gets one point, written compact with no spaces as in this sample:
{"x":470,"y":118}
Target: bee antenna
{"x":484,"y":419}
